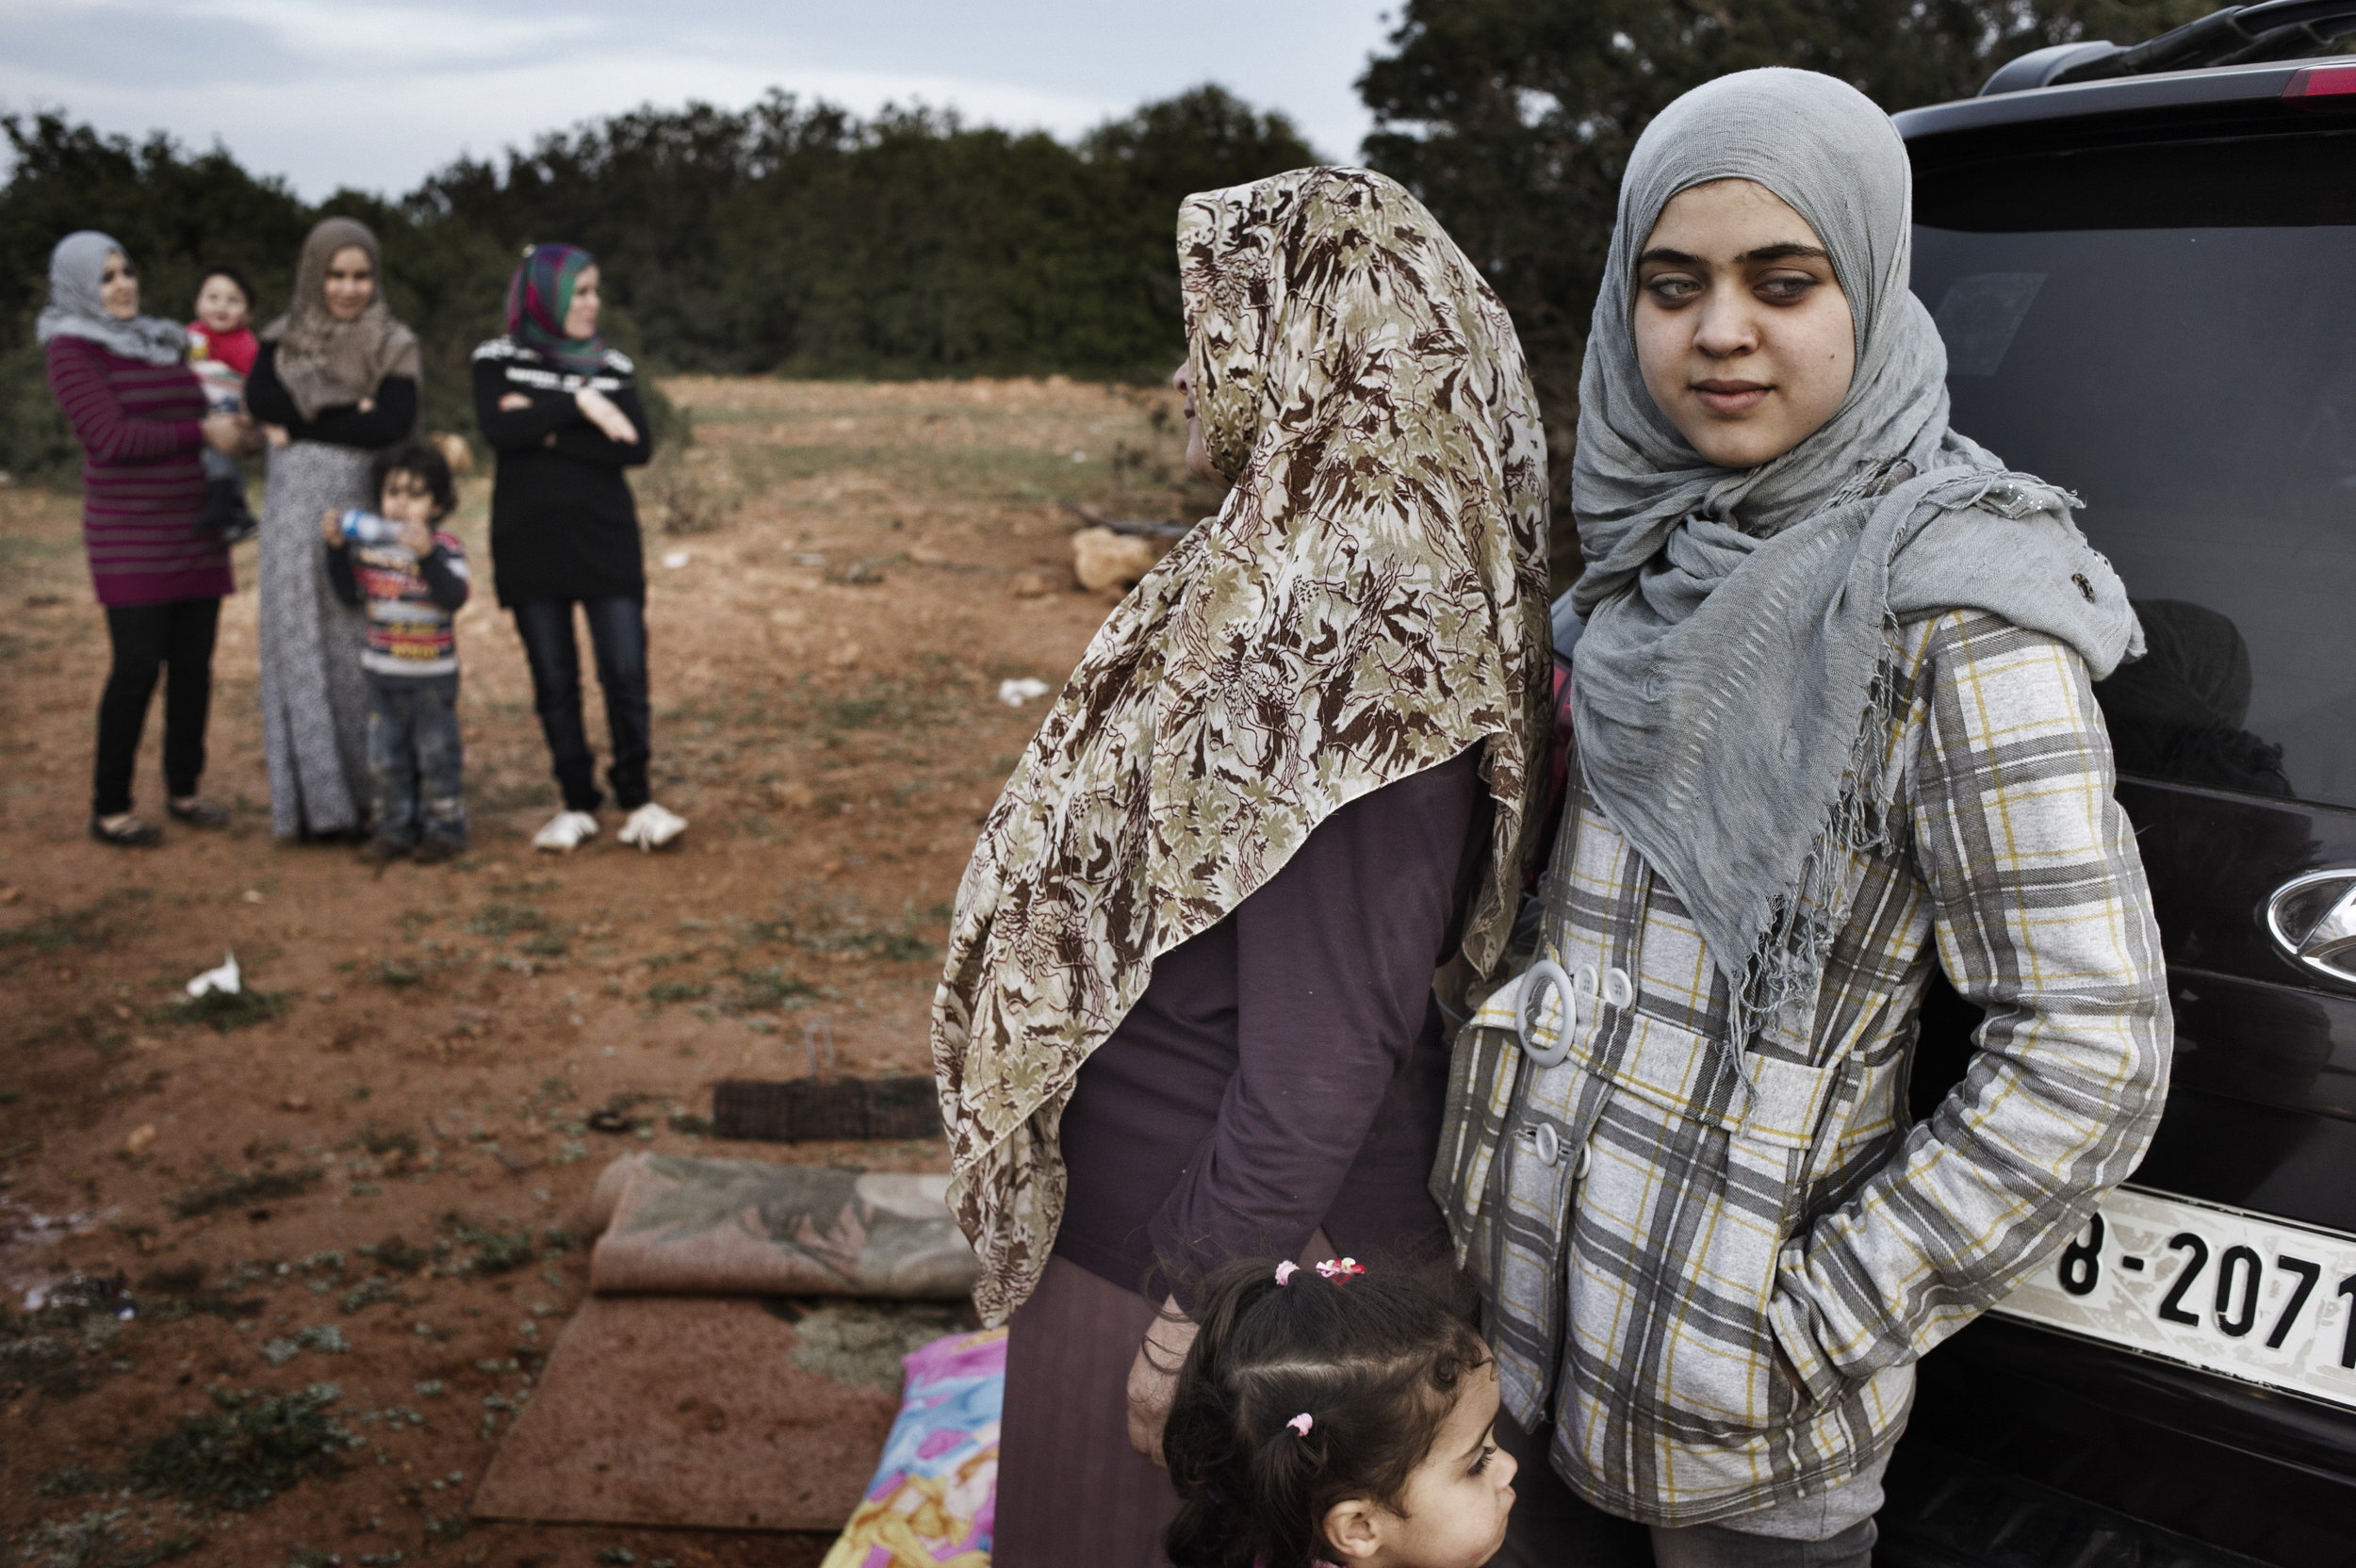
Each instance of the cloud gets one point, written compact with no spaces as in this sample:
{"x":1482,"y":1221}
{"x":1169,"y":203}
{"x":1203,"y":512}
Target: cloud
{"x":377,"y":93}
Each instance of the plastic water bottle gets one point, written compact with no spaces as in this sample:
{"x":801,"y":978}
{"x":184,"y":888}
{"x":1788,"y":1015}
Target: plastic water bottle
{"x":367,"y":527}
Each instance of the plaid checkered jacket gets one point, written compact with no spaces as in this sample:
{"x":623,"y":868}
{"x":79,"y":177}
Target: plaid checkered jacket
{"x":1654,"y":1214}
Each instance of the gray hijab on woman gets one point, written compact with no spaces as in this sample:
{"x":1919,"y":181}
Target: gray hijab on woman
{"x":1734,"y":684}
{"x":76,"y":268}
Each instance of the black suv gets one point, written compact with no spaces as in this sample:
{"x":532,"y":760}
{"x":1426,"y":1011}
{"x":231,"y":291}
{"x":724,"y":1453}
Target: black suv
{"x":2143,"y":262}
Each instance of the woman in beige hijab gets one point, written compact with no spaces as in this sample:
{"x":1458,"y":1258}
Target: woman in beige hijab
{"x":1188,"y":1012}
{"x":338,"y":377}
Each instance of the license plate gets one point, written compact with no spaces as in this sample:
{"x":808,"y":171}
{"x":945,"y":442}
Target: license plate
{"x":2214,"y":1287}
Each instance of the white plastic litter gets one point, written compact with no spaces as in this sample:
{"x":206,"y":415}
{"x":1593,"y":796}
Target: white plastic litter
{"x":674,"y":559}
{"x":223,"y":979}
{"x":1014,"y":693}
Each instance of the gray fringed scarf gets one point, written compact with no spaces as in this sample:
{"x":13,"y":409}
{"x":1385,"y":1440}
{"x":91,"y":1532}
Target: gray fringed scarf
{"x":76,"y":308}
{"x":1735,"y":686}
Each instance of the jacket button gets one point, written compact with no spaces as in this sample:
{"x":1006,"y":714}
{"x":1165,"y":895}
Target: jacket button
{"x":1579,"y":1173}
{"x":1618,"y":989}
{"x":1549,"y":1145}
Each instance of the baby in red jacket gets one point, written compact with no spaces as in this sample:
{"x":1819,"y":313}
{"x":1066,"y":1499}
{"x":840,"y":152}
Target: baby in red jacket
{"x":220,"y":351}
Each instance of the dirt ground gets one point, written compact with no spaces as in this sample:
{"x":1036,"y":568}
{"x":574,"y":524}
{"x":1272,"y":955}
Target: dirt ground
{"x":365,"y":1176}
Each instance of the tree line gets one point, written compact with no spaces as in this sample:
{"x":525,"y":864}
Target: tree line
{"x":797,"y":238}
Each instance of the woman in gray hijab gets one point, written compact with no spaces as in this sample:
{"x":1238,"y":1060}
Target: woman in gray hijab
{"x":1832,"y":726}
{"x":337,"y":379}
{"x":122,"y":381}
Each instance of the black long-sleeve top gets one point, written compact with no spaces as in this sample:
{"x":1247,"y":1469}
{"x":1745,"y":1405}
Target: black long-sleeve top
{"x":1286,"y":1069}
{"x":563,"y":524}
{"x":394,"y":416}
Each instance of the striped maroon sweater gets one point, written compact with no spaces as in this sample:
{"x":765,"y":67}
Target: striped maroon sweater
{"x":142,"y":479}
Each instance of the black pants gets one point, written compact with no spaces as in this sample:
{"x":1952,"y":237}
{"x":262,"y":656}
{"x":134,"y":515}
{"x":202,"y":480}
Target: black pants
{"x":146,"y":638}
{"x":618,"y":632}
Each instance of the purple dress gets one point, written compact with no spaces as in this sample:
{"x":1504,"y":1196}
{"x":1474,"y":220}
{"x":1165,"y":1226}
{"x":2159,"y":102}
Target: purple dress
{"x":1284,"y":1075}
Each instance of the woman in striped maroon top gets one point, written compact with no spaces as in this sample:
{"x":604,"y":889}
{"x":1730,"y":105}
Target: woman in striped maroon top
{"x":139,"y":416}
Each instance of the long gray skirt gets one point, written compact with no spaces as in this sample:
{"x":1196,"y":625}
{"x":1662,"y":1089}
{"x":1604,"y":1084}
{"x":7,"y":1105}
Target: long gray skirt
{"x":314,"y":702}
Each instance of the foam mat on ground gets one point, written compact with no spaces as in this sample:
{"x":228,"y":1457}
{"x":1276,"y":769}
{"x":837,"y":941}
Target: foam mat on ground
{"x":686,"y":1410}
{"x":677,"y":1227}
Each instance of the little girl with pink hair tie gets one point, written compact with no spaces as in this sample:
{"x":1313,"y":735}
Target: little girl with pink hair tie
{"x":1335,"y":1418}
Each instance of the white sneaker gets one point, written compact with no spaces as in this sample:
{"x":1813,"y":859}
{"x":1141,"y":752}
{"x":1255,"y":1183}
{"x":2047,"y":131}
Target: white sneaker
{"x":565,"y":832}
{"x":650,"y":827}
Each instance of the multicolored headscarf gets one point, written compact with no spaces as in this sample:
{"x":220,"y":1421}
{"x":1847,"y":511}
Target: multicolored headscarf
{"x":538,"y":298}
{"x":1369,"y":602}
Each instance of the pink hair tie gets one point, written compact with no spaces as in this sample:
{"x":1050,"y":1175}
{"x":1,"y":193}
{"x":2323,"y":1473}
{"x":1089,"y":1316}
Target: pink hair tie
{"x":1342,"y":1269}
{"x":1285,"y":1272}
{"x":1301,"y":1423}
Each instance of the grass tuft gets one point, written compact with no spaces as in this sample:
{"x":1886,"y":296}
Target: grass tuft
{"x":230,"y":1190}
{"x":239,"y":1457}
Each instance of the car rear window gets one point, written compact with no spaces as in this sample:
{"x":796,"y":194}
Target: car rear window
{"x":2170,"y":331}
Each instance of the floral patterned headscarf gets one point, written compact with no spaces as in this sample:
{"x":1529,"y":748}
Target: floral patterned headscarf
{"x":1368,"y":603}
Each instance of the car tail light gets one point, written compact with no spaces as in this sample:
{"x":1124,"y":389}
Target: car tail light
{"x":2332,"y":84}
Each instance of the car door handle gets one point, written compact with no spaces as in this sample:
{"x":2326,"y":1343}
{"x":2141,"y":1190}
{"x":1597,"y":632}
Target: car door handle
{"x":2312,"y":921}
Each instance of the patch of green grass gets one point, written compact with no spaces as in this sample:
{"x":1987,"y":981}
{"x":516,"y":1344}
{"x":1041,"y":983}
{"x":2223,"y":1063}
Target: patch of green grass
{"x":223,"y":1010}
{"x":85,"y":927}
{"x":766,"y":989}
{"x":502,"y":919}
{"x":241,"y":1456}
{"x":96,"y":1541}
{"x":401,"y":1142}
{"x":823,"y":922}
{"x":233,"y":1190}
{"x":529,"y":887}
{"x":678,"y":990}
{"x":496,"y":1251}
{"x":397,"y":975}
{"x":396,"y":1254}
{"x":545,"y":944}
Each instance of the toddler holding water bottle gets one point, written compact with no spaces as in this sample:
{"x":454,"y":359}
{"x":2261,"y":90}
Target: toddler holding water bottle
{"x":411,"y":577}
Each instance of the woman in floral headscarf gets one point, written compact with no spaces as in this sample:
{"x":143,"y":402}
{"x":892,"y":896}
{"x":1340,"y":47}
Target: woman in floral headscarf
{"x":339,"y":378}
{"x":1187,"y":1011}
{"x":562,"y":410}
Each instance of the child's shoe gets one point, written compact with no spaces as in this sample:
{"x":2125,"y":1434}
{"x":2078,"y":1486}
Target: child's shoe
{"x":565,"y":832}
{"x":650,"y":827}
{"x":382,"y":852}
{"x":435,"y":848}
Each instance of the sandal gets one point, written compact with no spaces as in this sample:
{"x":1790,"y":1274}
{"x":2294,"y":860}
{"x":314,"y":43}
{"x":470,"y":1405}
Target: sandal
{"x":127,"y":833}
{"x":198,"y":812}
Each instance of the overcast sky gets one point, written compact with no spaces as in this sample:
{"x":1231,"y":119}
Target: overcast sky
{"x":375,"y":93}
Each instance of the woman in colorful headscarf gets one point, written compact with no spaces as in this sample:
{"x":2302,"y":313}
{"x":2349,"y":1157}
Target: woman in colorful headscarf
{"x":1188,"y":1012}
{"x":562,"y":410}
{"x":338,"y":377}
{"x":122,"y":381}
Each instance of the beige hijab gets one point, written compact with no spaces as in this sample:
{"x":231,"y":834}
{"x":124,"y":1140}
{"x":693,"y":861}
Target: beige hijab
{"x":1369,"y":602}
{"x":324,"y":363}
